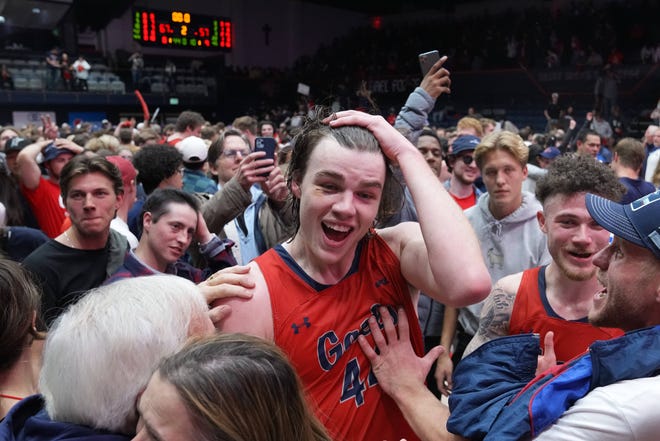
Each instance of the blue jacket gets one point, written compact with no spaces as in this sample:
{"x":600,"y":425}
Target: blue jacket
{"x":497,"y":397}
{"x":28,"y":421}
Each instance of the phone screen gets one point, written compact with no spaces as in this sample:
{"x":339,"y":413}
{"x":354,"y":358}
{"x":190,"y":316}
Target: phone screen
{"x":427,"y":60}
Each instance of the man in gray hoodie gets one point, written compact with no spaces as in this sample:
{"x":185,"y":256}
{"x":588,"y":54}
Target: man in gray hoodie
{"x":505,"y":222}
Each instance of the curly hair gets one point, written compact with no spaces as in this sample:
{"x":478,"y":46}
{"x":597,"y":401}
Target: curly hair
{"x":570,"y":174}
{"x":155,"y":163}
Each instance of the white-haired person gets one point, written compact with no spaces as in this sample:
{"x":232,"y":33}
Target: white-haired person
{"x":99,"y":355}
{"x":227,"y":387}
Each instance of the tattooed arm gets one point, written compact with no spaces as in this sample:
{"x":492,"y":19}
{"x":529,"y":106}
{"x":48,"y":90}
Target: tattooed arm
{"x":496,"y":312}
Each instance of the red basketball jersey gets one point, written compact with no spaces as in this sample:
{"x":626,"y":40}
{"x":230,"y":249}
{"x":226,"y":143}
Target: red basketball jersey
{"x":317,"y":326}
{"x":532,"y":313}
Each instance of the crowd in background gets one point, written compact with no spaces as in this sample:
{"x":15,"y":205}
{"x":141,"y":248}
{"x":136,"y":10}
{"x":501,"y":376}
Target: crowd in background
{"x":125,"y":240}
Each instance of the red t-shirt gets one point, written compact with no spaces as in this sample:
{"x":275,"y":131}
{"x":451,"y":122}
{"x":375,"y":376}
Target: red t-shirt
{"x":317,"y":327}
{"x":45,"y":203}
{"x":466,"y":202}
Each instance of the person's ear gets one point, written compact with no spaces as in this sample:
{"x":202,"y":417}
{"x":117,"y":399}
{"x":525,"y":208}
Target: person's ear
{"x":540,"y":217}
{"x":295,"y":186}
{"x":147,"y":221}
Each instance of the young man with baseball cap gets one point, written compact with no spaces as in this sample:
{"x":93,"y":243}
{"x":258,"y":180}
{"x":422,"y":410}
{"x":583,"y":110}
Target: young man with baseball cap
{"x":43,"y":193}
{"x":547,"y":156}
{"x":195,"y":151}
{"x":464,"y":171}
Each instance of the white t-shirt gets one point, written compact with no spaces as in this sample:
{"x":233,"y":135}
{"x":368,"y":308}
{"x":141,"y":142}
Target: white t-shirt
{"x":120,"y":226}
{"x":623,"y":411}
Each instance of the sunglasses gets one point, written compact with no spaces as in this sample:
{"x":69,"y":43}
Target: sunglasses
{"x":467,"y":159}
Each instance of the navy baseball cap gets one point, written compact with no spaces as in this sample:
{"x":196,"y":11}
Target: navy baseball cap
{"x":637,"y":222}
{"x":550,"y":153}
{"x":51,"y":152}
{"x":463,"y":143}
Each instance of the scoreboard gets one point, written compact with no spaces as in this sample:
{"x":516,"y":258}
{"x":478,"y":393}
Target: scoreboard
{"x":182,"y":29}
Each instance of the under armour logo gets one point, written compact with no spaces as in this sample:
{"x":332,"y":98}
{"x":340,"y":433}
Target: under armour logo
{"x":382,"y":282}
{"x":296,"y":327}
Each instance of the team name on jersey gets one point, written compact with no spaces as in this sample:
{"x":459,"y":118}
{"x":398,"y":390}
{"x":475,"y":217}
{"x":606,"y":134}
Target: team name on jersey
{"x":330,"y":348}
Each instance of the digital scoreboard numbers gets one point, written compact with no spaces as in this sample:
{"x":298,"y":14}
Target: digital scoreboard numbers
{"x":180,"y":29}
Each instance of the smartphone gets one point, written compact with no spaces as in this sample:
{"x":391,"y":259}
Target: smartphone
{"x":427,"y":60}
{"x":267,"y":145}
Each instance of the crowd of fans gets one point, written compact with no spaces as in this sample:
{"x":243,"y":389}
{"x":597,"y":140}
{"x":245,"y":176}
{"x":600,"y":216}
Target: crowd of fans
{"x":137,"y":257}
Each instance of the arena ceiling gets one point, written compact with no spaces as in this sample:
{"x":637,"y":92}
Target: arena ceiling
{"x":33,"y":14}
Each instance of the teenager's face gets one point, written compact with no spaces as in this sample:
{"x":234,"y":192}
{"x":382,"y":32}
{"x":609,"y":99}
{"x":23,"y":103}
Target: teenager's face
{"x":503,"y":176}
{"x":339,"y":194}
{"x":92,"y":204}
{"x":169,"y":237}
{"x":430,"y":148}
{"x":55,"y":165}
{"x":574,"y":237}
{"x":465,"y":173}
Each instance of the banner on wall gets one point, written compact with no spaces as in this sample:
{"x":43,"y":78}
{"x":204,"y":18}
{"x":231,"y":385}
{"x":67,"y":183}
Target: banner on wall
{"x":22,"y":119}
{"x":94,"y":118}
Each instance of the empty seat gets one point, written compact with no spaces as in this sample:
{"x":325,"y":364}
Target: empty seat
{"x":35,"y":83}
{"x":158,"y":87}
{"x":93,"y":85}
{"x":104,"y":86}
{"x":21,"y":83}
{"x":117,"y":86}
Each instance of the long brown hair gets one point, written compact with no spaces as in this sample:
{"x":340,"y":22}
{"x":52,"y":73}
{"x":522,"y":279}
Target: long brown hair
{"x":241,"y":388}
{"x":20,"y":299}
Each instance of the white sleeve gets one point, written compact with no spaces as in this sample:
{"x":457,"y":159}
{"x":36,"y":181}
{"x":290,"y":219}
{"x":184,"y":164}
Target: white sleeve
{"x":651,"y":164}
{"x":622,"y":411}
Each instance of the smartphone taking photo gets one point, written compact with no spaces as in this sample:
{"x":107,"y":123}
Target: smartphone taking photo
{"x":427,"y":60}
{"x":267,"y":145}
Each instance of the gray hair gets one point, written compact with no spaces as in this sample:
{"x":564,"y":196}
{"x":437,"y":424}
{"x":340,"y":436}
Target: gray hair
{"x":101,"y":352}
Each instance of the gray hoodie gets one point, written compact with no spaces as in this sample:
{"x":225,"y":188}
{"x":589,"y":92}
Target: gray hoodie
{"x":508,"y":246}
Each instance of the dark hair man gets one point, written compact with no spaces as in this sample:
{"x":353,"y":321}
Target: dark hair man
{"x":89,"y":251}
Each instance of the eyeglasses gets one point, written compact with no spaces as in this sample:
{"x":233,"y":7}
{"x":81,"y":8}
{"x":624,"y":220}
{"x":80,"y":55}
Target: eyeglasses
{"x":232,"y":153}
{"x":467,"y":159}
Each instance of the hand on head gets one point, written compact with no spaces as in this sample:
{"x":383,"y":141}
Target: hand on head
{"x":391,"y":141}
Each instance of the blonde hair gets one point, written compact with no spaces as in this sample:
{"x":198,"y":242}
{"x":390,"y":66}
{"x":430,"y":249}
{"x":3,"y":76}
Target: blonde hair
{"x":503,"y":140}
{"x":470,"y":124}
{"x":104,"y":141}
{"x":656,"y":176}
